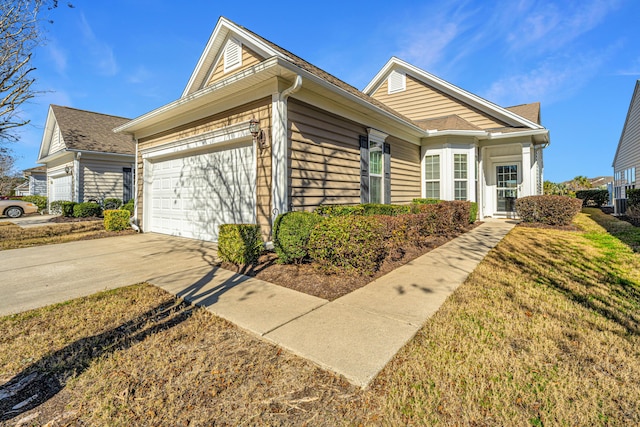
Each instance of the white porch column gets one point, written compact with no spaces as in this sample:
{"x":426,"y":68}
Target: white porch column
{"x":482,"y":184}
{"x":278,"y":155}
{"x":527,"y":178}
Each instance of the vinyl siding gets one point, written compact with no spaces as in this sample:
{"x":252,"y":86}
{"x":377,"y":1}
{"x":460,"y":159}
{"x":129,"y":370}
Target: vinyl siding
{"x":260,"y":109}
{"x":38,"y":185}
{"x":101,"y":180}
{"x":406,"y":183}
{"x":629,"y":150}
{"x":324,"y":160}
{"x":249,"y":58}
{"x":420,"y":101}
{"x":57,"y":143}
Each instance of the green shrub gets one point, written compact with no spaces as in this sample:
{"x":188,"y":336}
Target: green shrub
{"x":291,"y":233}
{"x":112,"y":203}
{"x":473,"y":212}
{"x":129,"y":206}
{"x":633,"y":197}
{"x":442,"y":218}
{"x":593,"y":197}
{"x":339,"y":210}
{"x":39,"y":201}
{"x":86,"y":209}
{"x":550,"y":210}
{"x":239,"y":244}
{"x":116,"y":219}
{"x":62,"y":207}
{"x":350,"y":242}
{"x":382,"y":209}
{"x":421,"y":201}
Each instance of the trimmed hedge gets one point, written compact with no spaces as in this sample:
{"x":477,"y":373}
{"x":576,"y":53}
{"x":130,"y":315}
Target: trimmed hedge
{"x":129,"y":206}
{"x":112,"y":203}
{"x":116,"y":219}
{"x":633,"y":197}
{"x":339,"y":210}
{"x":39,"y":201}
{"x":597,"y":197}
{"x":382,"y":209}
{"x":550,"y":210}
{"x":349,"y":242}
{"x":291,"y":233}
{"x":473,"y":212}
{"x":86,"y":209}
{"x":420,"y":201}
{"x":239,"y":244}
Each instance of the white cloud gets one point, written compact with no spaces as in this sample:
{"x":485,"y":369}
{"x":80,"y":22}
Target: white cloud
{"x":58,"y":57}
{"x":101,"y":53}
{"x":140,"y":75}
{"x":556,"y":78}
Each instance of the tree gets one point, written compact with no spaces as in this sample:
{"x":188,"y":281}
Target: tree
{"x":580,"y":182}
{"x":9,"y":179}
{"x":19,"y":36}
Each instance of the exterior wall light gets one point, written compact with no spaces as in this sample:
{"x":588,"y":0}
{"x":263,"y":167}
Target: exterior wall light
{"x":257,"y":133}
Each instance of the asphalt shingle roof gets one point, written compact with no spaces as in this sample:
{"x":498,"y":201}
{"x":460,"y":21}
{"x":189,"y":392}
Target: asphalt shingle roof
{"x":89,"y":131}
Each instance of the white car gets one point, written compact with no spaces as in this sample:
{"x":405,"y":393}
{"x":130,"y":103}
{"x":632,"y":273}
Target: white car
{"x":16,"y":208}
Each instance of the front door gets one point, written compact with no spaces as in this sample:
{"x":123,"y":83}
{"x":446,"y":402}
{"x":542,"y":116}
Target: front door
{"x":507,"y":187}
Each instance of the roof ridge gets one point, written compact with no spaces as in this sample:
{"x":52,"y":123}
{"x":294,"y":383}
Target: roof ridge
{"x":88,"y":111}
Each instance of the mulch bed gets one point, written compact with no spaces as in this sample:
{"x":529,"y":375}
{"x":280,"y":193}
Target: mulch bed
{"x":63,"y":219}
{"x":309,"y":279}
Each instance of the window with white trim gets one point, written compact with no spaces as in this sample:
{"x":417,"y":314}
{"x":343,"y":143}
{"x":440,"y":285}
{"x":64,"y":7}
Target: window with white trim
{"x":397,"y":82}
{"x":232,"y":55}
{"x":375,"y":172}
{"x":460,"y":176}
{"x":432,"y":176}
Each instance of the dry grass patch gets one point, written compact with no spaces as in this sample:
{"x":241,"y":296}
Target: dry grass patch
{"x":136,"y":356}
{"x":544,"y":332}
{"x":14,"y":237}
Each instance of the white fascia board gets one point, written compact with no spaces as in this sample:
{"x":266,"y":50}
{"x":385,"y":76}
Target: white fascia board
{"x":102,"y":154}
{"x":451,"y":89}
{"x":216,"y":42}
{"x":475,"y":133}
{"x":533,"y":132}
{"x":47,"y":135}
{"x":195,"y":100}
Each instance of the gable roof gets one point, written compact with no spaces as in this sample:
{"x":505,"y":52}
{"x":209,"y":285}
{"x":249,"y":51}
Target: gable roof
{"x":452,"y":122}
{"x":494,"y":110}
{"x":634,"y":111}
{"x":82,"y":130}
{"x":528,"y":111}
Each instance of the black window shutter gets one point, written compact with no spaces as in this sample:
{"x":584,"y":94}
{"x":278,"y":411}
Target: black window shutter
{"x":387,"y":173}
{"x":364,"y":169}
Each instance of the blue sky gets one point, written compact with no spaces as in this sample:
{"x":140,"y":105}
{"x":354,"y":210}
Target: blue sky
{"x":580,"y":59}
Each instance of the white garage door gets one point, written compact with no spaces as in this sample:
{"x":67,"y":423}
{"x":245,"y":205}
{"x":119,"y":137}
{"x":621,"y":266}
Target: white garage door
{"x":191,"y":196}
{"x":62,"y":188}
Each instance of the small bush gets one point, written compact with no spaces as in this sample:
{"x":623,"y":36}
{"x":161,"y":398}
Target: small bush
{"x":382,"y":209}
{"x":442,"y":218}
{"x":239,"y":244}
{"x":339,"y":210}
{"x":39,"y":201}
{"x":633,"y":197}
{"x":86,"y":209}
{"x":129,"y":206}
{"x":473,"y":213}
{"x":421,"y":201}
{"x":62,"y":207}
{"x":291,"y":233}
{"x":350,"y":242}
{"x":550,"y":210}
{"x":112,"y":203}
{"x":593,"y":197}
{"x":116,"y":219}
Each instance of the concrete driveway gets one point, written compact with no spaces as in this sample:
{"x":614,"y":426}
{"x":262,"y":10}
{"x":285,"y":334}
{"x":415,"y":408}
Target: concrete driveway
{"x":42,"y":275}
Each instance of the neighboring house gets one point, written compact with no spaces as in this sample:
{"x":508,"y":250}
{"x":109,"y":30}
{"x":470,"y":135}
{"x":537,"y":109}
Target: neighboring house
{"x":36,"y":181}
{"x":408,"y":134}
{"x":22,"y":189}
{"x":627,"y":157}
{"x":84,"y":158}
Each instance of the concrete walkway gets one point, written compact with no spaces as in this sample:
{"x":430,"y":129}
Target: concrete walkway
{"x":357,"y":334}
{"x":354,"y":336}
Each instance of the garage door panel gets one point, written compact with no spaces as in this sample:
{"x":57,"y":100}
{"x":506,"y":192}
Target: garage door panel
{"x":199,"y":192}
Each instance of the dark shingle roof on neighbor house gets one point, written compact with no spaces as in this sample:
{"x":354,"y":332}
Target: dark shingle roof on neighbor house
{"x":89,"y":131}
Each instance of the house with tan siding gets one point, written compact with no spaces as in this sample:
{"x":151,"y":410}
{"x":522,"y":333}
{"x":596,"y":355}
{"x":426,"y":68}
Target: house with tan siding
{"x":321,"y":141}
{"x":627,"y":157}
{"x":84,"y":159}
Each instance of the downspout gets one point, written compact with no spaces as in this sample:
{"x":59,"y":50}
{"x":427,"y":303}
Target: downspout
{"x":133,"y":221}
